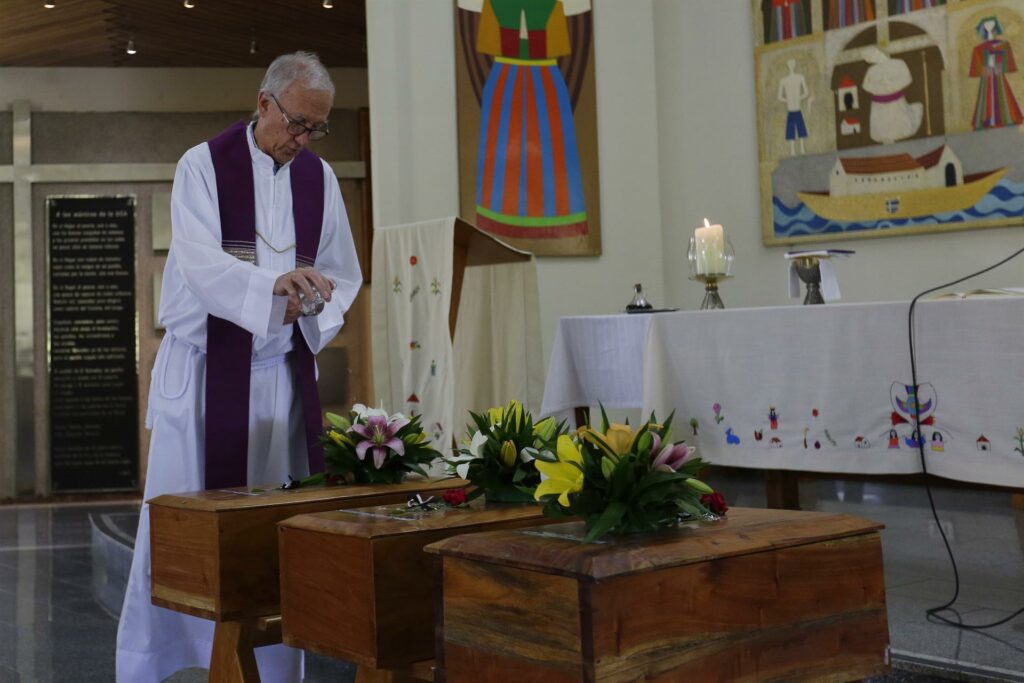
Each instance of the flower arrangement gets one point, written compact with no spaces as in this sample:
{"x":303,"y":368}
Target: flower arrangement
{"x":620,"y":480}
{"x":504,"y":447}
{"x":372,"y":447}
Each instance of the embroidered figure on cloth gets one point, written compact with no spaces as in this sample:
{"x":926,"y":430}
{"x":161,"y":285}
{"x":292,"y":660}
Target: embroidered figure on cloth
{"x":906,"y":403}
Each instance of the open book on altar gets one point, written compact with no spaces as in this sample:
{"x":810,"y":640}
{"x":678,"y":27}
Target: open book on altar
{"x":1004,"y":291}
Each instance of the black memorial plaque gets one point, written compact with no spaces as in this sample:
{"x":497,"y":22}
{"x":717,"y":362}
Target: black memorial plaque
{"x":94,"y":430}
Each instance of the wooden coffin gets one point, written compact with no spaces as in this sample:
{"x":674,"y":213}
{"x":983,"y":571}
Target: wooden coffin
{"x":762,"y":595}
{"x":214,"y":553}
{"x":356,"y":584}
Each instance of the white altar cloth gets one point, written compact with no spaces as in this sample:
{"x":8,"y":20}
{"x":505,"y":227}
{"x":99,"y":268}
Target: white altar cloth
{"x":835,"y":378}
{"x":597,"y":359}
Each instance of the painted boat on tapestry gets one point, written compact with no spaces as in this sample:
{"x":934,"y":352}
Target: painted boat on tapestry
{"x":899,"y":186}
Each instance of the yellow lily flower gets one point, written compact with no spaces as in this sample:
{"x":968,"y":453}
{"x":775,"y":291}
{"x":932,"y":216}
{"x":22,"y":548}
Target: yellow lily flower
{"x":616,"y":442}
{"x":508,"y":453}
{"x":515,"y":409}
{"x":495,"y":415}
{"x":563,"y":477}
{"x":545,"y":429}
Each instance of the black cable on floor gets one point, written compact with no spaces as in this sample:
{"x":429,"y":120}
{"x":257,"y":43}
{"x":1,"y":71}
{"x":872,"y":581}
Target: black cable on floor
{"x":932,"y":613}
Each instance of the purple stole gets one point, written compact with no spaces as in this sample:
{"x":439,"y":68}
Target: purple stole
{"x":228,"y":346}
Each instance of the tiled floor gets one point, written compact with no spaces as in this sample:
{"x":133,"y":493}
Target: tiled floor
{"x":52,"y":627}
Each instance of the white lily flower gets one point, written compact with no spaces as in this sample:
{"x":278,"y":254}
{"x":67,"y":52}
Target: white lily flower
{"x":365,"y":412}
{"x":459,"y":464}
{"x":476,"y":443}
{"x":460,"y":461}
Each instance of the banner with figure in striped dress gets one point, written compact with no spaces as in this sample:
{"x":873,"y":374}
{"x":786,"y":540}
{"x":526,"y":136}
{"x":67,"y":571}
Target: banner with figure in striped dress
{"x":528,"y":123}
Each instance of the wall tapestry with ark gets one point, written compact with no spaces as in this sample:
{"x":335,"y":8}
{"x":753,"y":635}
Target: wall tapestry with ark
{"x":884,"y":117}
{"x":528,"y":123}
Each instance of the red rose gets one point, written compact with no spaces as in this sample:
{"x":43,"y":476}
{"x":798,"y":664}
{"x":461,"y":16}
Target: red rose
{"x":454,"y":497}
{"x":715,"y":502}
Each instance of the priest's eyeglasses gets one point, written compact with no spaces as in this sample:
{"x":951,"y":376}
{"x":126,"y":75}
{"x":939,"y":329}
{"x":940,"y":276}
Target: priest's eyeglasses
{"x":296,"y":128}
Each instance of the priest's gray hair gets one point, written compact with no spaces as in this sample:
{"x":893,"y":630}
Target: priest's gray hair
{"x":304,"y":67}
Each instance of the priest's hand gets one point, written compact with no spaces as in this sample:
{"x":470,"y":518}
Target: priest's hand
{"x":305,"y":280}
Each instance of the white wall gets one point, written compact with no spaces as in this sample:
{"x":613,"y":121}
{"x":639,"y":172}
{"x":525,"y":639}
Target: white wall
{"x":415,"y":171}
{"x":161,"y":90}
{"x":677,"y":136}
{"x":411,"y":65}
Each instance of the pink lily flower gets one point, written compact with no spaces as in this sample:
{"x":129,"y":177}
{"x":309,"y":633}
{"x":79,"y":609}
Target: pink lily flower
{"x":671,"y":457}
{"x":379,"y":434}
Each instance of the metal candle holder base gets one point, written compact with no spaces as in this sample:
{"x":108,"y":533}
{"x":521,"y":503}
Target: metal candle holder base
{"x":712,"y":300}
{"x":808,"y":269}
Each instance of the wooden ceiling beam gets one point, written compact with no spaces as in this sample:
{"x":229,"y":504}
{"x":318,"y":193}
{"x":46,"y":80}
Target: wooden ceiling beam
{"x":215,"y":33}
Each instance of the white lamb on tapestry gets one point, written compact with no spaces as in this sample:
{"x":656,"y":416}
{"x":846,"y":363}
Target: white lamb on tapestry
{"x":892,"y":117}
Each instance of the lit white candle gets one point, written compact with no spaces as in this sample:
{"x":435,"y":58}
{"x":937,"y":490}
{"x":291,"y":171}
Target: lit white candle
{"x":710,"y":243}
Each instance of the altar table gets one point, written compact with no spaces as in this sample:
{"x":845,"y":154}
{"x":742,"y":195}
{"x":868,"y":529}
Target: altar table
{"x":814,"y":388}
{"x":760,"y":595}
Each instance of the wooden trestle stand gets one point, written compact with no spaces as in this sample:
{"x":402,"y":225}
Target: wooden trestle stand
{"x":762,"y":595}
{"x":215,"y":556}
{"x":356,"y":584}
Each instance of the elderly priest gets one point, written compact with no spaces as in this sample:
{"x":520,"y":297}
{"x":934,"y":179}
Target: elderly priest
{"x":260,"y":272}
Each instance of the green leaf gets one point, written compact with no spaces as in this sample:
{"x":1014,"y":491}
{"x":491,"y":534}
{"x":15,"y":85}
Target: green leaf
{"x":690,"y":507}
{"x":609,"y":518}
{"x":418,"y":470}
{"x":621,"y":479}
{"x":604,"y":419}
{"x":698,"y":485}
{"x":546,"y":456}
{"x":607,"y":467}
{"x":665,"y":490}
{"x":338,"y":421}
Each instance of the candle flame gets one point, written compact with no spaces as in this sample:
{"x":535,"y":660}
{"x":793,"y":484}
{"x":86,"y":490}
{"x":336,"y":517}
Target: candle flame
{"x":707,"y":223}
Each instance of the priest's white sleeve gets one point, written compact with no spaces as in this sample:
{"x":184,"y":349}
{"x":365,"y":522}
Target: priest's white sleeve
{"x":335,"y":259}
{"x":225,"y":286}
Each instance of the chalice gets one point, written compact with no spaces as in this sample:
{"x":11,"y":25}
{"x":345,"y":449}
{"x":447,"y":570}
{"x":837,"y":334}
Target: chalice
{"x":808,"y":269}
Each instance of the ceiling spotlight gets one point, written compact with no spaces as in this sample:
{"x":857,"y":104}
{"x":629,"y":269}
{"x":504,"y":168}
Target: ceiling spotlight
{"x":189,"y":4}
{"x":49,"y":4}
{"x":328,"y":4}
{"x":131,"y":46}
